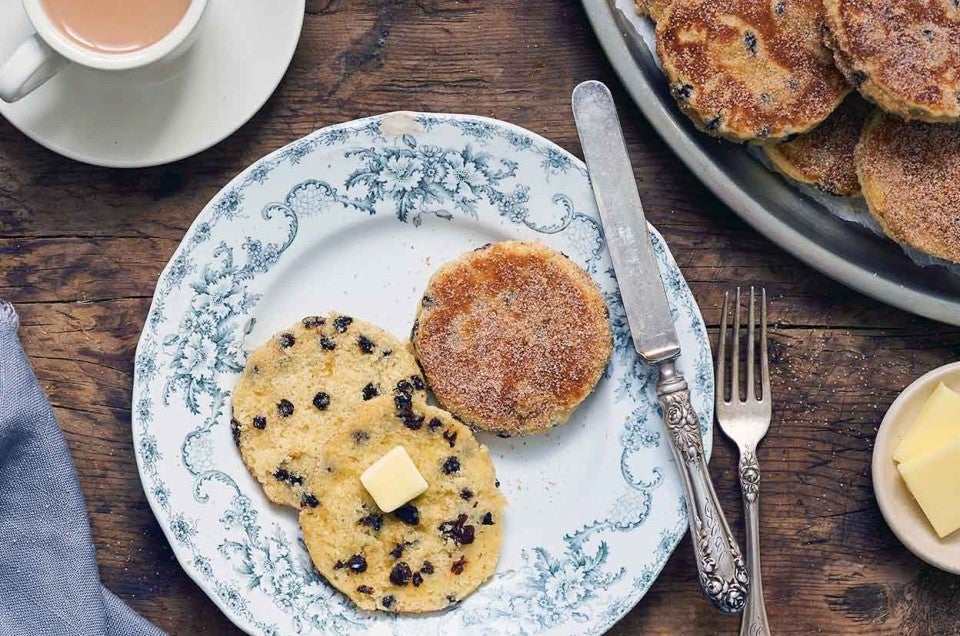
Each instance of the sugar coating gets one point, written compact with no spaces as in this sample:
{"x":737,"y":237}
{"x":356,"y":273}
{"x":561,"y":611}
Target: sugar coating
{"x":305,"y":383}
{"x":823,"y":157}
{"x":909,"y":173}
{"x":428,"y":554}
{"x":901,"y":55}
{"x":746,"y":70}
{"x":652,"y":8}
{"x":512,"y":337}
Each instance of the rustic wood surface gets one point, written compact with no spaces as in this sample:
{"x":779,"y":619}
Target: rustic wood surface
{"x":81,"y":249}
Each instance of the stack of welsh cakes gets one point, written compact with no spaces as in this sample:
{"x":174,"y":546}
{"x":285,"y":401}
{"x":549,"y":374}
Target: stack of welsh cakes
{"x":856,"y":97}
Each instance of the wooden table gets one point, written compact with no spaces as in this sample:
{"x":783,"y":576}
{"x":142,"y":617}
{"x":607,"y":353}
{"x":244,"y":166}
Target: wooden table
{"x":81,"y":249}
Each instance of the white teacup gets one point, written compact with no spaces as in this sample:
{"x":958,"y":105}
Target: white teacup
{"x":49,"y":51}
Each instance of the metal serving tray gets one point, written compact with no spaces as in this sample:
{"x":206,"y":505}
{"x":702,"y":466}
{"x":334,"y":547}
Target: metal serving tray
{"x":843,"y":250}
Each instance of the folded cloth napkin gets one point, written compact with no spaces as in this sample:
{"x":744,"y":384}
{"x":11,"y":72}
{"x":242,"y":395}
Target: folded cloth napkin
{"x":49,"y":583}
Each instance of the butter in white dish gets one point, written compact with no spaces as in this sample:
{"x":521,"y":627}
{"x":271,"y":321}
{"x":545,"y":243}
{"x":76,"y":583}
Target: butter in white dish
{"x":393,"y":480}
{"x":937,"y":423}
{"x":928,"y":459}
{"x":934,"y":481}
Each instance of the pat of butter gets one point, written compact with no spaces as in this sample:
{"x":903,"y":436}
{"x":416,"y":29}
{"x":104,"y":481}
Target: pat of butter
{"x":393,"y":480}
{"x":937,"y":424}
{"x":934,"y":481}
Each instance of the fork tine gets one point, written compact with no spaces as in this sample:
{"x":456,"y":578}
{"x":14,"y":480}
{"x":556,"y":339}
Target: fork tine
{"x":751,"y":390}
{"x":722,"y":352}
{"x":764,"y":364}
{"x":735,"y":360}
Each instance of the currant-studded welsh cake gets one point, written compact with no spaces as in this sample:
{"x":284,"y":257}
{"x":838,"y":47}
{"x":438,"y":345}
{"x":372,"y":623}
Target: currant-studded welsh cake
{"x":303,"y":385}
{"x":430,"y":552}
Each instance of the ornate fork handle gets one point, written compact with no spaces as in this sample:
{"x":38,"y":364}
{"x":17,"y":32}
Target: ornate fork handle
{"x":755,"y":614}
{"x":723,"y":575}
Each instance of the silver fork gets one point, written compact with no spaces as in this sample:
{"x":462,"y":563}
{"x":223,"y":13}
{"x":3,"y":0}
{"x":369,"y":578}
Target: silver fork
{"x":745,"y":421}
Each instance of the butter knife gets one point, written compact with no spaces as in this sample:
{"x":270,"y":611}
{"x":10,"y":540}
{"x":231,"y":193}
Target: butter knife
{"x":723,"y":575}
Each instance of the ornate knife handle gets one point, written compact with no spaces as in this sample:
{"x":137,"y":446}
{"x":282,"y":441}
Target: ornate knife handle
{"x":723,"y":575}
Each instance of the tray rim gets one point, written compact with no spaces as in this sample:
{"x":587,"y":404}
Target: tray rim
{"x":602,"y":15}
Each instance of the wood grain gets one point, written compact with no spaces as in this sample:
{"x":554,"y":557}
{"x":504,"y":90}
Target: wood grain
{"x":81,"y":249}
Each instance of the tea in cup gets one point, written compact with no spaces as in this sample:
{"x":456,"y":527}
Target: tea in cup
{"x":110,"y":35}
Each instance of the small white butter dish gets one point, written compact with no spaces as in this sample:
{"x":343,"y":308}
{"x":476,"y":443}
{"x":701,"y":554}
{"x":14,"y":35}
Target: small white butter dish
{"x":898,"y":506}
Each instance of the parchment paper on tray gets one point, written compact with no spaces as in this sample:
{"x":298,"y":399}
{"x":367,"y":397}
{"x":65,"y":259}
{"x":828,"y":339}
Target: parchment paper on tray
{"x":850,"y":210}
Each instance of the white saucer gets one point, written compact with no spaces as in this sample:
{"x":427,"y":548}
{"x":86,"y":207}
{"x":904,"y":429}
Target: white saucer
{"x":902,"y":513}
{"x":152,"y":116}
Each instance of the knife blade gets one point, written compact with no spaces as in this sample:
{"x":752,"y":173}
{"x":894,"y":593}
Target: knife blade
{"x":723,"y":575}
{"x":614,"y":187}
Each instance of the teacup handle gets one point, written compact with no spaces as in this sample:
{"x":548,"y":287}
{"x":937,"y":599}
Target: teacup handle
{"x":32,"y":64}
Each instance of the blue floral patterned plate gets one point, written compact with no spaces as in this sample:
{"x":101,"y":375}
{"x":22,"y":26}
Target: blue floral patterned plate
{"x":355,"y":218}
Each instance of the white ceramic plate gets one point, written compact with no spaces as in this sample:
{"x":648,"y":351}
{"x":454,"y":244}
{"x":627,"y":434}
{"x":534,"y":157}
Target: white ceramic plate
{"x":898,"y":506}
{"x":356,"y":217}
{"x":170,"y":110}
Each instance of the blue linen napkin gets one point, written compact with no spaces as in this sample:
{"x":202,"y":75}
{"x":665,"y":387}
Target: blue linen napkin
{"x":49,"y":582}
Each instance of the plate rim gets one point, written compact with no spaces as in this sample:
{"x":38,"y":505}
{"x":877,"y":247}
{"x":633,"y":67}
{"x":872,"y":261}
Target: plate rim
{"x":193,"y":149}
{"x":613,"y":40}
{"x":179,"y":552}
